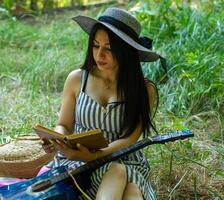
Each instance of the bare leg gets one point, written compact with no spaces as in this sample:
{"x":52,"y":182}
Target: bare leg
{"x":113,"y":183}
{"x":132,"y":192}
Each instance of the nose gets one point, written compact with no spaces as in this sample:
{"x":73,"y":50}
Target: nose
{"x":100,"y":53}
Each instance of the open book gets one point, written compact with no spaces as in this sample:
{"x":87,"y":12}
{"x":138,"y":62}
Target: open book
{"x":92,"y":139}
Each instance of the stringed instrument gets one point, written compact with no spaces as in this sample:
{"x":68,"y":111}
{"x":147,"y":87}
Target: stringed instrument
{"x":56,"y":183}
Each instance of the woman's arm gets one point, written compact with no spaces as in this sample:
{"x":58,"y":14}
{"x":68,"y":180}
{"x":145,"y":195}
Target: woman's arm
{"x":66,"y":119}
{"x":120,"y":143}
{"x":153,"y":98}
{"x":66,"y":116}
{"x":83,"y":154}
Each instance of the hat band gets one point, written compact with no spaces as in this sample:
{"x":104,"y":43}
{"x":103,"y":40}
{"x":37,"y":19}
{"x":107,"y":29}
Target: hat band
{"x":119,"y":25}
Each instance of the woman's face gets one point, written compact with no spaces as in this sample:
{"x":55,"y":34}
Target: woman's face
{"x":102,"y":52}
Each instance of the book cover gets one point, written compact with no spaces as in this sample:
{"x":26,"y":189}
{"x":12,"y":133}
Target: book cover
{"x":93,"y":139}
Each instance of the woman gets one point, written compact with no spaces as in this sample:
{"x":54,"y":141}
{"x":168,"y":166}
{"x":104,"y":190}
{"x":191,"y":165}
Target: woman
{"x":109,"y":92}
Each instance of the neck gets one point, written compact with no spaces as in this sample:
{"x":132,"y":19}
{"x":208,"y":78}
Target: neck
{"x":107,"y":76}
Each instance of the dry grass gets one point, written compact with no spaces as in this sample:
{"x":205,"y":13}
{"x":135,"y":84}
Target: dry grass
{"x":191,"y":169}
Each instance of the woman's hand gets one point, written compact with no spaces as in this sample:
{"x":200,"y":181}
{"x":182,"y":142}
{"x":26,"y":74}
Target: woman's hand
{"x":81,"y":153}
{"x":47,"y":146}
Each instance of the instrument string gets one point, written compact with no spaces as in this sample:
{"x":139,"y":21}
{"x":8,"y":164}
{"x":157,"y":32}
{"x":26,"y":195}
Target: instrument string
{"x":86,"y":196}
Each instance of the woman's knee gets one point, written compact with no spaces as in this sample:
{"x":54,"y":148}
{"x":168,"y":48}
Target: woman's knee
{"x":118,"y":170}
{"x":113,"y":183}
{"x":132,"y":192}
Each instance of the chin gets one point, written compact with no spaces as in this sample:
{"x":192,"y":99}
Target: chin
{"x":104,"y":67}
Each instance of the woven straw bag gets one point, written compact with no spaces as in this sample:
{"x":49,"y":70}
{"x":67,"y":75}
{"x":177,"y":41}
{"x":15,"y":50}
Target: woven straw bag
{"x":23,"y":157}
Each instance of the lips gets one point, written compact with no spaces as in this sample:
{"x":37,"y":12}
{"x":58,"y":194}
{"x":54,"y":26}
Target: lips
{"x":101,"y":63}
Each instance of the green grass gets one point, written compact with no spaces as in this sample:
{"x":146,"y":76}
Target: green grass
{"x":37,"y":54}
{"x":193,"y":42}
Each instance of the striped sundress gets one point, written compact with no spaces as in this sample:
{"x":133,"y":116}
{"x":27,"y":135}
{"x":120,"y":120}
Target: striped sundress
{"x":89,"y":115}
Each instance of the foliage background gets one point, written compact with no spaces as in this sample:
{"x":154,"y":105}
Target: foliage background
{"x":39,"y":50}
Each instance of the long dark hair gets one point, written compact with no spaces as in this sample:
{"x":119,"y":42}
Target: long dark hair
{"x":131,"y":86}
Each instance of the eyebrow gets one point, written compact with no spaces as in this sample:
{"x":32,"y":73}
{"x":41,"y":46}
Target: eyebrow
{"x":98,"y":42}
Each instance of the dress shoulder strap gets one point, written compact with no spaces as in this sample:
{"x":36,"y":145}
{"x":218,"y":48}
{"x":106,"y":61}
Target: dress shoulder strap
{"x":84,"y":78}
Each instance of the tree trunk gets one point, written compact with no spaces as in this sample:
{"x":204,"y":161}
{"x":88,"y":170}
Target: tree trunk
{"x":33,"y":5}
{"x":48,"y":4}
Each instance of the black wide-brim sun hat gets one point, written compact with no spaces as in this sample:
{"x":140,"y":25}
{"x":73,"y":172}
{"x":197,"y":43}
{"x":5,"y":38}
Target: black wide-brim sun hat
{"x":125,"y":26}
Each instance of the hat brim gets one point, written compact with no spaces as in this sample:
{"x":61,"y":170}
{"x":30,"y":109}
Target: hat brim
{"x":87,"y":23}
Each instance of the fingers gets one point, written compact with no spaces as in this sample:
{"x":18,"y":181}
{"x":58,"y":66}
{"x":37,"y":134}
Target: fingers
{"x":45,"y":141}
{"x":48,"y":148}
{"x":72,"y":154}
{"x":80,"y":147}
{"x":59,"y":144}
{"x":63,"y":148}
